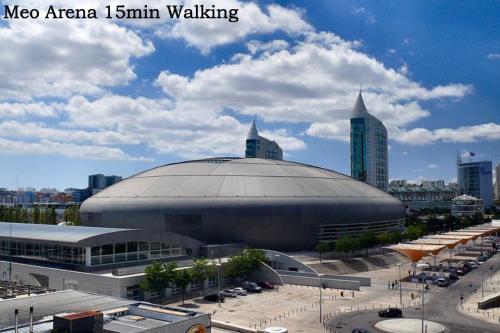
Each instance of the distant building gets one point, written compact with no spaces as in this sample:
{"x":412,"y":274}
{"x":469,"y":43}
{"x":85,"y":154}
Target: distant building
{"x":398,"y":182}
{"x":475,"y":179}
{"x":260,"y":147}
{"x":420,"y":197}
{"x":433,"y":183}
{"x":369,"y":150}
{"x":497,"y":182}
{"x":80,"y":195}
{"x":99,"y":182}
{"x":466,"y":205}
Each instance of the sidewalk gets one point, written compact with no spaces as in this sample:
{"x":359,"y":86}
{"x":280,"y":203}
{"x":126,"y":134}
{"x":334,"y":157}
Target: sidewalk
{"x":469,"y":307}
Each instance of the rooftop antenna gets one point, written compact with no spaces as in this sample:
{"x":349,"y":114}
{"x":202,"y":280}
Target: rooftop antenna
{"x":361,"y":87}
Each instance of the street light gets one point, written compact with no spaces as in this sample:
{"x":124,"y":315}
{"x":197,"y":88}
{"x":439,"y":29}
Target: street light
{"x":400,"y":287}
{"x":423,"y":292}
{"x":218,"y":282}
{"x":482,"y":280}
{"x":320,"y":295}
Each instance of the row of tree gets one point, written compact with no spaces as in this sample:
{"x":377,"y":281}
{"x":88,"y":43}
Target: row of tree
{"x":369,"y":239}
{"x":160,"y":276}
{"x":37,"y":214}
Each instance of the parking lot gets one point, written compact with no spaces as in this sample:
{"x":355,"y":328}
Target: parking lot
{"x":297,"y":307}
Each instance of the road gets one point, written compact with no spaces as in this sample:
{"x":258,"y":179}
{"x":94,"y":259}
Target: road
{"x":441,"y":308}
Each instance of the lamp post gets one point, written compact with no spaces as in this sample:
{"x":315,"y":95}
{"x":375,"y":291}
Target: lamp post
{"x":320,"y":296}
{"x":218,"y":282}
{"x":423,"y":292}
{"x":400,"y":287}
{"x":482,"y":280}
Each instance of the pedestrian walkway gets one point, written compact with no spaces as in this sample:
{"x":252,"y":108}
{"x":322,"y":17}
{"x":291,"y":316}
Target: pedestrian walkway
{"x":472,"y":297}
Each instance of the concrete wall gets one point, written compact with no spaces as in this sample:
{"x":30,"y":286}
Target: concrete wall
{"x":94,"y":283}
{"x":363,"y":281}
{"x":266,"y":273}
{"x":282,"y":261}
{"x":490,"y":301}
{"x":316,"y":282}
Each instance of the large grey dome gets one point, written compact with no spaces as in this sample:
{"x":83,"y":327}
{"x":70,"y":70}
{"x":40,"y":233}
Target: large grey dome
{"x":267,"y":203}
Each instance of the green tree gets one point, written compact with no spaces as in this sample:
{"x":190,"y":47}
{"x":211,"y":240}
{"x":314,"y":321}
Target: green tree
{"x":344,"y":244}
{"x":35,"y":213}
{"x":321,"y":248}
{"x":202,"y":270}
{"x":182,"y":278}
{"x":244,"y":263}
{"x":156,"y":279}
{"x":51,"y":215}
{"x":367,"y":240}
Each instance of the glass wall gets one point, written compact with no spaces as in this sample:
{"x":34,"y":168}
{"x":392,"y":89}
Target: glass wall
{"x":133,"y":251}
{"x":45,"y":252}
{"x":99,"y":255}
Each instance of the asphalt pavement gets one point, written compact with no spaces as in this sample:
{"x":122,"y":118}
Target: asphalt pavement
{"x":442,"y":308}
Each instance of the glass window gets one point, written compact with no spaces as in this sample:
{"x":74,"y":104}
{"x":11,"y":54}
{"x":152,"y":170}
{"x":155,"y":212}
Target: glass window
{"x":120,"y":248}
{"x":132,"y":247}
{"x":143,"y":246}
{"x":96,"y":251}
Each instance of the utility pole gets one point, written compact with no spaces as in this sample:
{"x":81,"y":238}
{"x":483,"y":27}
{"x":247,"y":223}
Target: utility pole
{"x":320,"y":296}
{"x":423,"y":294}
{"x":482,"y":280}
{"x":400,"y":287}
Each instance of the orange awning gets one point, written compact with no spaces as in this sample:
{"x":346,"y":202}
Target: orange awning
{"x":463,"y":239}
{"x":415,"y":252}
{"x":450,"y":243}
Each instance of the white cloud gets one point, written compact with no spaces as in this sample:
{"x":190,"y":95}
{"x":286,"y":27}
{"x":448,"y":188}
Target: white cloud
{"x":493,"y":56}
{"x":17,"y":110}
{"x":421,"y":136}
{"x":432,"y":166}
{"x":62,"y":57}
{"x":206,"y":34}
{"x":314,"y":81}
{"x":362,"y":11}
{"x":156,"y":123}
{"x":48,"y":147}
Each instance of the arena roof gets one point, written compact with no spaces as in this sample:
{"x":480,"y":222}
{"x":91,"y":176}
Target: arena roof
{"x":235,"y":177}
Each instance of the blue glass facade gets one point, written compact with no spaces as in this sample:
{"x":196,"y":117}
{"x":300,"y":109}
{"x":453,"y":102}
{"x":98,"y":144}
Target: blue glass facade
{"x":476,"y":179}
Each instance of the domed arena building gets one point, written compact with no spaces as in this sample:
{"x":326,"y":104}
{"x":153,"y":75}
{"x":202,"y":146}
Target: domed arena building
{"x":263,"y":203}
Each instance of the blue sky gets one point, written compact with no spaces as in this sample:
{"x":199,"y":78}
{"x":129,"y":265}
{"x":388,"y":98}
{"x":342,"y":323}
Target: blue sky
{"x":79,"y":97}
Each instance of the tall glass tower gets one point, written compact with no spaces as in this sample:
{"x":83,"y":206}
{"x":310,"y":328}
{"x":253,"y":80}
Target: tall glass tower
{"x":369,"y":152}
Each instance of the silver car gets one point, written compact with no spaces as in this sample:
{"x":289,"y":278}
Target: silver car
{"x":229,"y":293}
{"x":240,"y":291}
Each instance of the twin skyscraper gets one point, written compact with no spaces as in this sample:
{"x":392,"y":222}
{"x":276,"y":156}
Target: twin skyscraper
{"x":369,"y":149}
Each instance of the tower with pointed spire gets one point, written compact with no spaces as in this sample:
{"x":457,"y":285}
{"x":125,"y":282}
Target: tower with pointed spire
{"x":260,"y":147}
{"x":369,"y":150}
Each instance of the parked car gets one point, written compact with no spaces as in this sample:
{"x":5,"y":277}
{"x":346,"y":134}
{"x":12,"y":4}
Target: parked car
{"x":473,"y":264}
{"x":265,"y":285}
{"x":390,"y":312}
{"x":229,"y":293}
{"x":251,"y":286}
{"x":453,"y":276}
{"x":482,"y":259}
{"x":360,"y":330}
{"x":443,"y":282}
{"x":240,"y":291}
{"x":214,"y":297}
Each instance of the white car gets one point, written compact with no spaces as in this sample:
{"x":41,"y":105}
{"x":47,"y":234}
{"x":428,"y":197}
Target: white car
{"x":240,"y":291}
